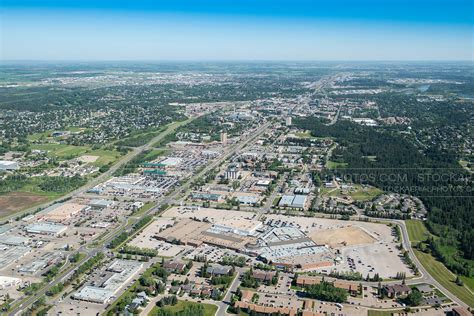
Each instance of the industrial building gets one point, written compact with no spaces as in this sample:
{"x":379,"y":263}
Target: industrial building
{"x":9,"y":165}
{"x":293,"y":201}
{"x":100,"y":204}
{"x":238,"y":227}
{"x":206,"y":196}
{"x":45,"y":228}
{"x":62,"y":212}
{"x":122,"y":272}
{"x":6,"y":282}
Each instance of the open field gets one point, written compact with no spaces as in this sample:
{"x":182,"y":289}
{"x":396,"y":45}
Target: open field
{"x":336,"y":237}
{"x":444,"y":276}
{"x":63,"y":151}
{"x":334,"y":165}
{"x":47,"y":134}
{"x":105,"y":156}
{"x":306,"y":134}
{"x":357,"y":193}
{"x":365,"y":194}
{"x":209,"y":309}
{"x":16,"y":201}
{"x":417,"y":230}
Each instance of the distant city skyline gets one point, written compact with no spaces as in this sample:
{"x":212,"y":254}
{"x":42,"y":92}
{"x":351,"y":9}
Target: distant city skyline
{"x":237,"y":30}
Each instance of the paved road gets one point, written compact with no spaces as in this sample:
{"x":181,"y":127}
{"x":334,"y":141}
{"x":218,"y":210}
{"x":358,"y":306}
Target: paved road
{"x":225,"y":303}
{"x":102,"y":177}
{"x":179,"y":190}
{"x":426,"y":277}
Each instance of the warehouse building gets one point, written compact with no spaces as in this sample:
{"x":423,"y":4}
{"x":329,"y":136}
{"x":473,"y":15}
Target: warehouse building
{"x":100,"y":204}
{"x":9,"y":165}
{"x":45,"y":228}
{"x":293,"y":201}
{"x":122,"y":271}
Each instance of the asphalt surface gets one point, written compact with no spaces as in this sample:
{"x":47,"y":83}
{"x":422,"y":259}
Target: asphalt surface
{"x":164,"y":200}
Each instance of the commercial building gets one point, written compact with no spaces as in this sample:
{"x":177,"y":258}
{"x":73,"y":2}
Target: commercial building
{"x":224,"y":138}
{"x":100,"y":204}
{"x":61,"y":212}
{"x":171,"y":161}
{"x":293,"y":201}
{"x":232,"y":173}
{"x":7,"y":282}
{"x":247,"y":199}
{"x":396,"y":290}
{"x":14,"y":240}
{"x":242,"y":227}
{"x":123,"y":272}
{"x":306,"y":280}
{"x":219,"y":270}
{"x":9,"y":165}
{"x":45,"y":228}
{"x":206,"y":196}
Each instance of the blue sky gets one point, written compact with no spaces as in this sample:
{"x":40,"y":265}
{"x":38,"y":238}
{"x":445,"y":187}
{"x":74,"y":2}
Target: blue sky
{"x":237,"y":30}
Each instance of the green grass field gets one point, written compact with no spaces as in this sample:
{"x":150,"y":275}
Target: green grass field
{"x":417,"y":230}
{"x":306,"y":134}
{"x":64,"y":151}
{"x":334,"y":165}
{"x":359,"y":193}
{"x":61,"y":150}
{"x":209,"y":309}
{"x":365,"y":194}
{"x":445,"y":277}
{"x":105,"y":156}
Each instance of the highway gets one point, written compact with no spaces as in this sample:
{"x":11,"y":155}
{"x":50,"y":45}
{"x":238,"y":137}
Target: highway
{"x":164,"y":200}
{"x":104,"y":176}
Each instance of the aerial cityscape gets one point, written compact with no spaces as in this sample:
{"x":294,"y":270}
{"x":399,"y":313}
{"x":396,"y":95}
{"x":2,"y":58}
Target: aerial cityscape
{"x":237,"y":185}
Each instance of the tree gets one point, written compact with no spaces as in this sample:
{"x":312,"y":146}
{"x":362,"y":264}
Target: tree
{"x":414,"y":298}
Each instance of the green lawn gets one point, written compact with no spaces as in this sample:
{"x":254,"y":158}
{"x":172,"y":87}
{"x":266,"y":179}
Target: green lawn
{"x":365,"y":194}
{"x":105,"y":156}
{"x":209,"y":309}
{"x":306,"y":134}
{"x":334,"y":165}
{"x":61,"y":150}
{"x":445,"y":277}
{"x":359,"y":193}
{"x":417,"y":230}
{"x":144,"y":208}
{"x":64,"y":151}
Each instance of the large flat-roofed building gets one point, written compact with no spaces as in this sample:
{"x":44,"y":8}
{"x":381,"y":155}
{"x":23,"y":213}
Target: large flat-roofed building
{"x":206,"y":196}
{"x":171,"y":161}
{"x":9,"y":165}
{"x":61,"y":212}
{"x":7,"y":281}
{"x":299,"y":201}
{"x":123,"y":272}
{"x":286,"y":201}
{"x":100,"y":204}
{"x":45,"y":228}
{"x":247,"y":199}
{"x":14,"y":240}
{"x":239,"y":227}
{"x":294,"y":201}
